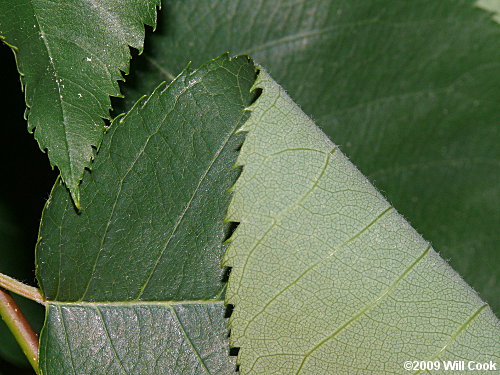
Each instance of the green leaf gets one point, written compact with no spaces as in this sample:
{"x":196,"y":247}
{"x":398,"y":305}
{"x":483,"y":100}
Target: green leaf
{"x":70,"y":56}
{"x":409,"y":89}
{"x":156,"y":338}
{"x":327,"y":277}
{"x":134,"y":281}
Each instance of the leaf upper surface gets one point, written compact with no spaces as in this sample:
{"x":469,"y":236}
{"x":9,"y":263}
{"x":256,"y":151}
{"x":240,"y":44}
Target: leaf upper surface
{"x":70,"y":55}
{"x":152,"y":230}
{"x":409,"y":89}
{"x":136,"y":339}
{"x":327,"y":278}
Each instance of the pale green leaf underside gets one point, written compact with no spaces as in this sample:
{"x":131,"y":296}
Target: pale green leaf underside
{"x":327,"y":277}
{"x":70,"y":55}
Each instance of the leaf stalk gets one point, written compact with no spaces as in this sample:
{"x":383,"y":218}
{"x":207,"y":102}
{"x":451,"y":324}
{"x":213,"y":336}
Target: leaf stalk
{"x":20,"y":328}
{"x":22,"y":289}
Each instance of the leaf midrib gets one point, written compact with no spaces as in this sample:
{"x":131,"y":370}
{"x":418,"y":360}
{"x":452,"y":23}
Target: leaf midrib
{"x":57,"y":81}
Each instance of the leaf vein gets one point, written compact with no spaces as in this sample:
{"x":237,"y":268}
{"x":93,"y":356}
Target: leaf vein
{"x":368,"y":307}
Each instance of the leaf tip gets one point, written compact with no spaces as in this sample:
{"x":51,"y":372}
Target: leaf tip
{"x":75,"y":195}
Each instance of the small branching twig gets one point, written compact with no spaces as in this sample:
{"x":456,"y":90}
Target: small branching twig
{"x":20,"y":328}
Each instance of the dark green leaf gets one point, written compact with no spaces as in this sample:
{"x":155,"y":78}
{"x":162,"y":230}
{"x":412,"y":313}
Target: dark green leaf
{"x":151,"y":230}
{"x":156,"y":338}
{"x":70,"y":55}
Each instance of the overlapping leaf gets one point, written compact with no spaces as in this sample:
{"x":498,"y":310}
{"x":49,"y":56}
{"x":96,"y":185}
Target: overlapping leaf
{"x":409,"y":89}
{"x":70,"y":55}
{"x":134,"y":281}
{"x":327,"y":277}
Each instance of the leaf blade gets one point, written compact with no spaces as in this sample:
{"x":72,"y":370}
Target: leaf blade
{"x":136,"y":338}
{"x":151,"y":232}
{"x":409,"y":104}
{"x":68,"y":73}
{"x":353,"y":287}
